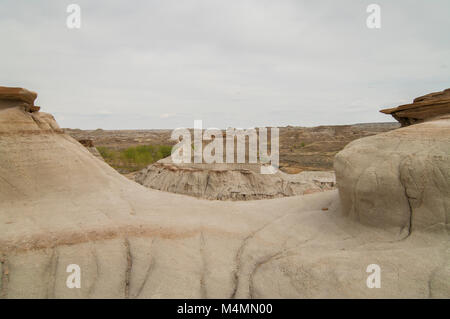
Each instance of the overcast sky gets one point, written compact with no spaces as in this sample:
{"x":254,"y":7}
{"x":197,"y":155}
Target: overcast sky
{"x":165,"y":63}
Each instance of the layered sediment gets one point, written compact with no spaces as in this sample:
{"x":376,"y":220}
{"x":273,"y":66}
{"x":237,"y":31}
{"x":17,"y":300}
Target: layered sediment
{"x":430,"y":106}
{"x":231,"y":181}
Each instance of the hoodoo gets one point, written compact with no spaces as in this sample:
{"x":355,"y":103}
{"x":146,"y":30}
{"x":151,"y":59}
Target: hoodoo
{"x":401,"y":179}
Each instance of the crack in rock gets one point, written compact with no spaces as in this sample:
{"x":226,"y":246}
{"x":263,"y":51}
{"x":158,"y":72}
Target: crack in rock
{"x":128,"y":269}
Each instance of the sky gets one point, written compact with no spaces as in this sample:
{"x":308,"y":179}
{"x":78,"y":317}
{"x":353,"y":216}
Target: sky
{"x":165,"y":63}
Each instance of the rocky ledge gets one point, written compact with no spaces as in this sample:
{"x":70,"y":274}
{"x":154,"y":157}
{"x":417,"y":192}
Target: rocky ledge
{"x":423,"y":108}
{"x":20,"y":115}
{"x":19,"y":95}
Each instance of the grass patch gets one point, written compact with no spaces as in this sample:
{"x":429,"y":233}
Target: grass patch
{"x":134,"y":158}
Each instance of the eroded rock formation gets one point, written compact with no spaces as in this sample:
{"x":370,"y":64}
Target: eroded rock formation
{"x":59,"y":205}
{"x":10,"y":95}
{"x":231,"y":181}
{"x":19,"y":114}
{"x":401,"y":179}
{"x":423,"y":108}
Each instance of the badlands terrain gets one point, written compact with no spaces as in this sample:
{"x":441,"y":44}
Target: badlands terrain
{"x":306,"y":162}
{"x":301,"y":148}
{"x":60,"y":205}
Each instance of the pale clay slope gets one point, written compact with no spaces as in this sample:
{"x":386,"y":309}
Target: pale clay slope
{"x":60,"y":205}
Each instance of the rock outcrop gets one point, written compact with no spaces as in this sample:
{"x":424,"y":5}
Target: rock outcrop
{"x":89,"y":144}
{"x":21,"y":96}
{"x":401,"y":179}
{"x":423,"y":108}
{"x":230,"y":181}
{"x":20,"y":114}
{"x":59,"y":206}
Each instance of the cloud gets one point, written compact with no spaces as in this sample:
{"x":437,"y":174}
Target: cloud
{"x":231,"y":63}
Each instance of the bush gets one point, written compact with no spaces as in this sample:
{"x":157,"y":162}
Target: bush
{"x":134,"y":158}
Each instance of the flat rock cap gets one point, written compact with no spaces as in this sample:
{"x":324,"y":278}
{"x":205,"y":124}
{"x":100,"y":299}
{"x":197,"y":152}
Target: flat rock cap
{"x":424,"y":107}
{"x":17,"y":94}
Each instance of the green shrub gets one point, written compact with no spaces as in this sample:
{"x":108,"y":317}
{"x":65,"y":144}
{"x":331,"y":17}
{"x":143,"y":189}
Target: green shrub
{"x":106,"y":153}
{"x":134,"y":158}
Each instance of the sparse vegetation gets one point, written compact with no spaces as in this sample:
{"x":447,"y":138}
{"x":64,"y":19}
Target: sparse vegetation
{"x":301,"y":148}
{"x":134,"y":158}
